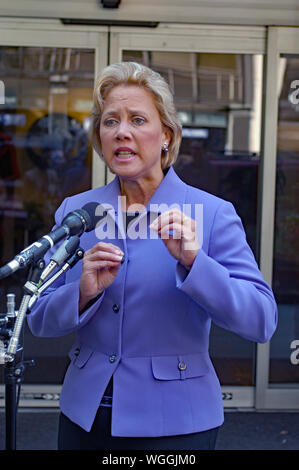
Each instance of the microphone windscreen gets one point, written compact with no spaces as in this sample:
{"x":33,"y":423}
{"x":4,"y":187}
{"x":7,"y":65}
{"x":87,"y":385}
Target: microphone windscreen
{"x":94,"y":214}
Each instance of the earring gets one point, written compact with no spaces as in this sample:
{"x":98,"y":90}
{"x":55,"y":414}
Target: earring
{"x":165,"y":147}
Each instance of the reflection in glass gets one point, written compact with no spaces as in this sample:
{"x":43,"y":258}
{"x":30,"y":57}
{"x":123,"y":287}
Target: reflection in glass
{"x":284,"y":351}
{"x":218,"y":99}
{"x":44,"y":157}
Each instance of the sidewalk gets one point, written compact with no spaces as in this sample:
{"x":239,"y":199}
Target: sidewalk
{"x":242,"y":430}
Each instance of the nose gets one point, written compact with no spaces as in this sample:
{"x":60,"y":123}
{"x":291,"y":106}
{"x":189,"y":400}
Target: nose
{"x":123,"y":131}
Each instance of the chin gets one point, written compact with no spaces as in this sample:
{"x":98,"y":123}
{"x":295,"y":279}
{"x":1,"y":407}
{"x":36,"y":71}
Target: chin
{"x":128,"y":172}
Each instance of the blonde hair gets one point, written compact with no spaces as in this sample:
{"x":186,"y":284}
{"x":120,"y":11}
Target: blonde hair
{"x":132,"y":73}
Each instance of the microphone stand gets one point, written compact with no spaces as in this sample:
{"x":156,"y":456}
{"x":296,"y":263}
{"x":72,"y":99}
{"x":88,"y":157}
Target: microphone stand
{"x":14,"y":370}
{"x":10,"y":377}
{"x":14,"y":366}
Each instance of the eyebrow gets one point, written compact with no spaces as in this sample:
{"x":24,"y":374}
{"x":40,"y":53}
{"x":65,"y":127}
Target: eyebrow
{"x":131,"y":111}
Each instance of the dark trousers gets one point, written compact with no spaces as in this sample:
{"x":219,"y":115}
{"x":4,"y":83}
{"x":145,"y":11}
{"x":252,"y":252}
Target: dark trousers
{"x":73,"y":437}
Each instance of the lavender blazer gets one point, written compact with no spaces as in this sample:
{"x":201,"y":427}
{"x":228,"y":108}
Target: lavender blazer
{"x":150,"y":328}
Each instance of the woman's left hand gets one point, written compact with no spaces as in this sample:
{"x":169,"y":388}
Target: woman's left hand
{"x":183,"y":243}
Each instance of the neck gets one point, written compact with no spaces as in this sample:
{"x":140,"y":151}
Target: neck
{"x":138,"y":192}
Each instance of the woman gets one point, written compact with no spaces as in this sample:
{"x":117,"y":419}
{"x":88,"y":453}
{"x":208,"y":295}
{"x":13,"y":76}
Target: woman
{"x":143,"y":301}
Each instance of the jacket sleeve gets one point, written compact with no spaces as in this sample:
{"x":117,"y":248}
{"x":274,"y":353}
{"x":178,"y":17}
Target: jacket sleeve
{"x":56,"y":312}
{"x":227,"y":282}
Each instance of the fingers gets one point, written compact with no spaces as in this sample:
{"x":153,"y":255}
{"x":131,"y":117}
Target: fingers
{"x":176,"y":231}
{"x":99,"y":264}
{"x":176,"y":222}
{"x":108,"y":248}
{"x":102,"y":255}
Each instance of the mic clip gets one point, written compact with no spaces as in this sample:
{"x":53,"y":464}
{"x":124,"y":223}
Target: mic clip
{"x":32,"y":283}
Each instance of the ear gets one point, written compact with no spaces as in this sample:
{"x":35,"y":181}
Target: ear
{"x":166,"y":135}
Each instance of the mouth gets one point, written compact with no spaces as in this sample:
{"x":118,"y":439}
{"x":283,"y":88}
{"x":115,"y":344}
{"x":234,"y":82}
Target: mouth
{"x":124,"y":154}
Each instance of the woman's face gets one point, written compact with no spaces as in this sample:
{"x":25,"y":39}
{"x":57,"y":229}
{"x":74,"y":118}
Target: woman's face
{"x":132,"y":134}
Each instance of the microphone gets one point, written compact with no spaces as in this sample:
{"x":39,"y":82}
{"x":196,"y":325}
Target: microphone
{"x":70,"y":263}
{"x":74,"y":223}
{"x":63,"y":253}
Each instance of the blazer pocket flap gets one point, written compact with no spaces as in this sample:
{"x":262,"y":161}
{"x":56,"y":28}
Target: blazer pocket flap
{"x":181,"y":366}
{"x":80,"y":355}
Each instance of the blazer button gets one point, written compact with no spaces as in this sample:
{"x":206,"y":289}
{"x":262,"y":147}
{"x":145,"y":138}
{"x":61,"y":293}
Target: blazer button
{"x":112,"y":358}
{"x":115,"y":308}
{"x":182,"y":365}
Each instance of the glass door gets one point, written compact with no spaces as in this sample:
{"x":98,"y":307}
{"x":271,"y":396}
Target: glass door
{"x":45,"y":156}
{"x":216,"y":76}
{"x":278,"y":386}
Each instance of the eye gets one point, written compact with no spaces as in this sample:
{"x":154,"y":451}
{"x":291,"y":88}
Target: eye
{"x":138,"y":120}
{"x":109,"y":122}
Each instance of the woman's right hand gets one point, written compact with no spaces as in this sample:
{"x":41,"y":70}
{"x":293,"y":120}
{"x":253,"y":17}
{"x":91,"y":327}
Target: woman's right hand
{"x":100,"y":266}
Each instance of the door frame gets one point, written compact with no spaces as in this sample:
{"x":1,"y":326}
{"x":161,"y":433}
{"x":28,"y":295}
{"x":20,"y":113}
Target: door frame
{"x":280,"y":40}
{"x":269,"y":42}
{"x":51,"y":33}
{"x":195,"y":38}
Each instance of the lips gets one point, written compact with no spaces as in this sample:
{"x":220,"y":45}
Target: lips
{"x":124,"y":153}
